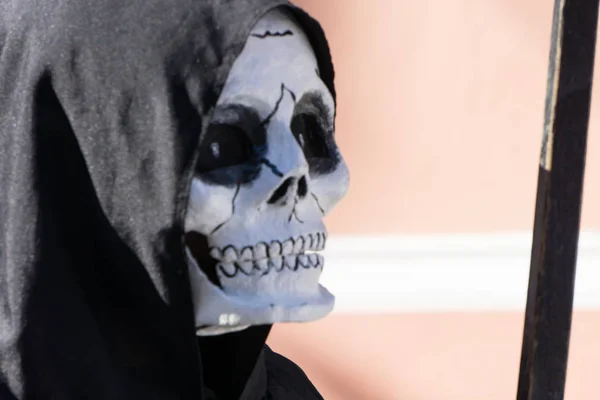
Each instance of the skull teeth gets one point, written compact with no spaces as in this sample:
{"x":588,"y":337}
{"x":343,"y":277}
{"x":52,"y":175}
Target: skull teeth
{"x":262,"y":265}
{"x":290,"y":262}
{"x":303,"y":261}
{"x":276,"y":263}
{"x":287,"y":247}
{"x":247,"y":254}
{"x":298,"y":245}
{"x":228,"y":270}
{"x":276,"y":249}
{"x":260,"y":251}
{"x":216,"y":253}
{"x":266,"y":266}
{"x":230,"y":255}
{"x":316,"y":241}
{"x":246,"y":267}
{"x":319,"y":241}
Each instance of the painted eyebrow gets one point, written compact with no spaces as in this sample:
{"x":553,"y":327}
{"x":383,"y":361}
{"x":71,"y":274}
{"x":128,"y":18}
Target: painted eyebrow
{"x":245,"y":117}
{"x":314,"y":103}
{"x":268,"y":33}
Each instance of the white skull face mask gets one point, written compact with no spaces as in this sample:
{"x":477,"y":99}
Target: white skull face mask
{"x":268,"y":171}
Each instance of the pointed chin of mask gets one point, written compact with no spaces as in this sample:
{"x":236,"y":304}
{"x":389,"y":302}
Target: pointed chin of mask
{"x":269,"y":171}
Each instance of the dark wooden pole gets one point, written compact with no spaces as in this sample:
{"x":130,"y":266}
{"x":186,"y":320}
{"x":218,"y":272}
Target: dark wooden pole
{"x":557,"y":216}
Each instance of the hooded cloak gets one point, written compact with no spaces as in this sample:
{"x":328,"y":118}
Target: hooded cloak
{"x":103,"y":104}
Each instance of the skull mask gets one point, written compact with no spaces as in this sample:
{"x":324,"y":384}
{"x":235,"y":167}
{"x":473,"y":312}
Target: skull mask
{"x":268,"y":172}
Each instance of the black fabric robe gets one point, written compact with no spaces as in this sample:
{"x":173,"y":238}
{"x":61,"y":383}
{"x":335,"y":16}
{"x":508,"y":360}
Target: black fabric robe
{"x":102,"y":106}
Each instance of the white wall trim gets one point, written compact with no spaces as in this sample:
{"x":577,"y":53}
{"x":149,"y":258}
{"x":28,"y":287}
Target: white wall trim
{"x":444,"y":273}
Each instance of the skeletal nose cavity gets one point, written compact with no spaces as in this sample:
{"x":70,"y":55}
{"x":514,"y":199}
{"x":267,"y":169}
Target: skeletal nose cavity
{"x":291,"y":187}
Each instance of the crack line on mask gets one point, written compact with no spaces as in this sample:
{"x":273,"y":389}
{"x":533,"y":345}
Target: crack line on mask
{"x":287,"y":32}
{"x":267,"y":120}
{"x":237,"y":191}
{"x":283,"y":88}
{"x":272,"y":167}
{"x":276,"y":108}
{"x":294,"y":214}
{"x":314,"y":196}
{"x":290,"y":91}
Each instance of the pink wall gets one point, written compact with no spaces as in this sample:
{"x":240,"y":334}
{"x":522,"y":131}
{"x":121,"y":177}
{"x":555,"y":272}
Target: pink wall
{"x":470,"y":356}
{"x":440,"y":113}
{"x":440,"y":119}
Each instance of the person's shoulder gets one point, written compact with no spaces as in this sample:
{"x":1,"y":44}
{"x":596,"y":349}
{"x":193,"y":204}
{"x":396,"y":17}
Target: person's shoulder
{"x":286,"y":380}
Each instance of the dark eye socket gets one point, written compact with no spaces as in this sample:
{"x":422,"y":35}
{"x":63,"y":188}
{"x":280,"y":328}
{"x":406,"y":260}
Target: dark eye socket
{"x":310,"y":135}
{"x":224,"y":146}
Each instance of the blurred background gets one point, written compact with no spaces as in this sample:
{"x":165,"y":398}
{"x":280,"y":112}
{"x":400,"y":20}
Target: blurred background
{"x":440,"y":119}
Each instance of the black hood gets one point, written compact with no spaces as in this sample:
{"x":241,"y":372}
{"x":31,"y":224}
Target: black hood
{"x":102,"y":107}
